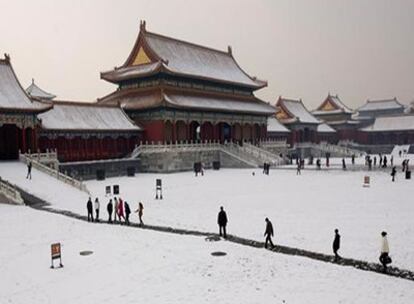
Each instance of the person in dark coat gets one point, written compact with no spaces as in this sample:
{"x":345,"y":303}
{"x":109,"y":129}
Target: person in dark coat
{"x":110,"y":209}
{"x":343,"y":164}
{"x":393,"y":173}
{"x":353,"y":159}
{"x":29,"y":170}
{"x":89,"y":207}
{"x":222,"y":222}
{"x":127,"y":212}
{"x":384,"y":258}
{"x":268,"y":233}
{"x":298,"y":169}
{"x":384,"y":162}
{"x":336,"y":244}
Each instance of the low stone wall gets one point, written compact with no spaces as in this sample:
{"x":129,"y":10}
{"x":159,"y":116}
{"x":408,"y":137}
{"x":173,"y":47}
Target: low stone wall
{"x":175,"y":161}
{"x":88,"y":170}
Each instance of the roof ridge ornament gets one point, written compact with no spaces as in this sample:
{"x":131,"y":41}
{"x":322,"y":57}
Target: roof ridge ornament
{"x":142,"y":25}
{"x":7,"y":57}
{"x":229,"y":50}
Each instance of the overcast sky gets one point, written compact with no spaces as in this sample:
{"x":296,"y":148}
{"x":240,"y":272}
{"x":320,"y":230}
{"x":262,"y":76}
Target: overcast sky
{"x":358,"y":49}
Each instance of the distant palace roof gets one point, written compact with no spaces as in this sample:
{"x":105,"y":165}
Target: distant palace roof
{"x":332,"y":105}
{"x":274,"y":125}
{"x":391,"y":123}
{"x":13,"y":97}
{"x":187,"y":99}
{"x":379,"y":105}
{"x":34,"y":91}
{"x":325,"y":128}
{"x":86,"y":117}
{"x":154,"y":53}
{"x":291,"y":111}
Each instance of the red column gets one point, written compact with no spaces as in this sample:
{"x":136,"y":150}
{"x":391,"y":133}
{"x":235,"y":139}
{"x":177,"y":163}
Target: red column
{"x":174,"y":131}
{"x":187,"y":126}
{"x":23,"y":140}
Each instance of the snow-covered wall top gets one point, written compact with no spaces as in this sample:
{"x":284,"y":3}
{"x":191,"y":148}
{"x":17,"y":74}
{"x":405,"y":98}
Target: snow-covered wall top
{"x":78,"y":116}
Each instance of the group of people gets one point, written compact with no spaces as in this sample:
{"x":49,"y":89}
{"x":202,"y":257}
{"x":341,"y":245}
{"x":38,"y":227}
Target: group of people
{"x":119,"y":209}
{"x":384,"y":258}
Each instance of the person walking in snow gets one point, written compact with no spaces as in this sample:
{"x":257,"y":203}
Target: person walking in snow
{"x":393,"y":173}
{"x":336,"y":244}
{"x":109,"y":208}
{"x":298,"y":168}
{"x":392,"y":160}
{"x":385,"y":250}
{"x":343,"y":164}
{"x":97,"y":206}
{"x":384,"y":162}
{"x":140,"y":212}
{"x":127,"y":212}
{"x":268,"y":233}
{"x":116,"y":207}
{"x":353,"y":159}
{"x":29,"y":170}
{"x":375,"y":161}
{"x":222,"y":222}
{"x":380,"y":160}
{"x":121,"y":209}
{"x":89,"y":207}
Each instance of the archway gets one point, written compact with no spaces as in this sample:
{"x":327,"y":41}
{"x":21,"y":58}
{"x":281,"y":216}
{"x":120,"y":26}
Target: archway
{"x":9,"y":149}
{"x":225,"y":131}
{"x":195,"y":131}
{"x":207,"y":131}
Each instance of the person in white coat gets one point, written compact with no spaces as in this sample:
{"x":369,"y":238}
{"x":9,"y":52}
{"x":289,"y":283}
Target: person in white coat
{"x":97,"y":205}
{"x":385,"y":250}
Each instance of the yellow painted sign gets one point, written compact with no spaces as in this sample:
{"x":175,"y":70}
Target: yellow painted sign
{"x":141,"y":58}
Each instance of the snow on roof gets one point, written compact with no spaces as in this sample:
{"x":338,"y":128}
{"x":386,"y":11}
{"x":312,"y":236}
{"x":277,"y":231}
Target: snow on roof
{"x":338,"y":106}
{"x":391,"y":123}
{"x":325,"y":128}
{"x":297,"y":109}
{"x":131,"y":72}
{"x":378,"y":105}
{"x":86,"y":116}
{"x":274,"y":125}
{"x":187,"y":58}
{"x":12,"y":95}
{"x":34,"y":91}
{"x":217,"y":103}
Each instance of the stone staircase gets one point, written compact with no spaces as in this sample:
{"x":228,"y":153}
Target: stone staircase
{"x":245,"y":156}
{"x":335,"y":150}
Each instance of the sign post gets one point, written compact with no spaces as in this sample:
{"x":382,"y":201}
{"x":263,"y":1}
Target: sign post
{"x":366,"y":181}
{"x":56,"y":254}
{"x":158,"y":188}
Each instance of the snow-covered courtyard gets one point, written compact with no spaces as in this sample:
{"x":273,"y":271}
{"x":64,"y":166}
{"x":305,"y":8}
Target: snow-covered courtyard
{"x":130,"y":265}
{"x":304,"y":209}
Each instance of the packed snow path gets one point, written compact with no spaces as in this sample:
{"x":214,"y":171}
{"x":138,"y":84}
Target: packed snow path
{"x":40,"y":204}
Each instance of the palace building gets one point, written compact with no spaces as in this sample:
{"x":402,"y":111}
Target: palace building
{"x":18,"y":114}
{"x":294,"y":115}
{"x":180,"y":91}
{"x":338,"y":116}
{"x":32,"y":121}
